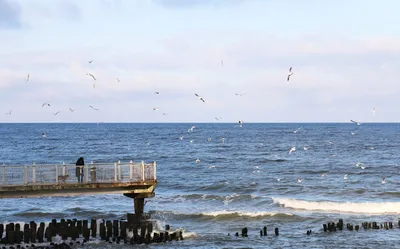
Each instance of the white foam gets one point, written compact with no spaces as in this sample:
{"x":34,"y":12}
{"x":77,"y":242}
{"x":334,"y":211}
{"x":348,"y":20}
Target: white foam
{"x":345,"y":207}
{"x":241,"y":213}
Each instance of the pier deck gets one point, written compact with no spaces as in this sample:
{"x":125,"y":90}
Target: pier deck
{"x":135,"y":180}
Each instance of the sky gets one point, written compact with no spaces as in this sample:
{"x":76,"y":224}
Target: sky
{"x":345,"y":57}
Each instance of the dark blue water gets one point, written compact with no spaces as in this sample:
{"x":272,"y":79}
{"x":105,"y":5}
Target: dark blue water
{"x":248,"y":180}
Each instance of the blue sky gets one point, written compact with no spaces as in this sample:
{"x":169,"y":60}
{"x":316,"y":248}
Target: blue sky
{"x":345,"y":57}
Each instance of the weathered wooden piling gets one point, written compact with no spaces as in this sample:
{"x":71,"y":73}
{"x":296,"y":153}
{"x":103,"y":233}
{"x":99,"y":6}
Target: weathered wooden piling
{"x":93,"y":228}
{"x":276,"y":231}
{"x":109,"y":230}
{"x":244,"y":232}
{"x":115,"y":228}
{"x":265,"y":231}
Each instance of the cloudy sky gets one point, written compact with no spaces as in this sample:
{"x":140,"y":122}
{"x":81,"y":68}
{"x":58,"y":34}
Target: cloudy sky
{"x":345,"y":57}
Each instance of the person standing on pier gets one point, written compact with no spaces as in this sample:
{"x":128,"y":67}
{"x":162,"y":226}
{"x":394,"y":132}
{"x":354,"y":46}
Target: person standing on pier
{"x":79,"y":169}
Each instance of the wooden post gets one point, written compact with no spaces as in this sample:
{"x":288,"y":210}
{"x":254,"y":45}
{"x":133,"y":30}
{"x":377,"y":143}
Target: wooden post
{"x":34,"y":172}
{"x":63,"y":168}
{"x":155,"y":170}
{"x":139,"y":206}
{"x":115,"y":172}
{"x":276,"y":231}
{"x":143,"y":171}
{"x":131,"y":171}
{"x":87,"y":173}
{"x":119,"y":170}
{"x":56,"y":173}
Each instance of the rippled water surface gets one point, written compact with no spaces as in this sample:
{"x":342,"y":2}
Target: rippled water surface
{"x":248,"y":179}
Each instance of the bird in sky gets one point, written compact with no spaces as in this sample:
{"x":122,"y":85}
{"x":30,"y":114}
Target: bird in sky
{"x":156,"y":109}
{"x":240,"y":94}
{"x":373,"y":111}
{"x":91,"y":75}
{"x":289,"y":74}
{"x":156,"y":92}
{"x":199,"y":97}
{"x":94,"y":108}
{"x":27,"y":77}
{"x":222,"y":62}
{"x":356,"y":122}
{"x":217,"y":118}
{"x":293,"y":149}
{"x":192,"y":128}
{"x":56,"y":113}
{"x":44,"y":104}
{"x":90,"y":62}
{"x":9,"y":112}
{"x":241,"y":123}
{"x":117,"y":79}
{"x":165,"y":113}
{"x":72,"y":110}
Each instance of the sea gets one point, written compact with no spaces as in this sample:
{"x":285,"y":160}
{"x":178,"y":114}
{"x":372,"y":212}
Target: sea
{"x":244,"y":177}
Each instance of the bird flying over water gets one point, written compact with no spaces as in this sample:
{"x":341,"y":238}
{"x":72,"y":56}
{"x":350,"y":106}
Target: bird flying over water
{"x":241,"y":123}
{"x":293,"y":149}
{"x":27,"y":77}
{"x":91,"y":75}
{"x":356,"y":122}
{"x":192,"y":128}
{"x":345,"y":177}
{"x":9,"y":112}
{"x":199,"y":97}
{"x":289,"y":74}
{"x":94,"y":108}
{"x":72,"y":110}
{"x":373,"y":111}
{"x":44,"y":104}
{"x":383,"y":180}
{"x":56,"y":113}
{"x":300,"y":179}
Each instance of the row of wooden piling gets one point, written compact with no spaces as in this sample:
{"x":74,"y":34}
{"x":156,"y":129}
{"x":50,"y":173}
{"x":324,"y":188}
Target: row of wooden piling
{"x":263,"y":232}
{"x":80,"y":231}
{"x":333,"y":227}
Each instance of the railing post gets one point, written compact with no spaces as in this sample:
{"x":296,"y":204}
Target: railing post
{"x":119,"y":170}
{"x":142,"y":170}
{"x":4,"y":174}
{"x":87,"y":173}
{"x":131,"y":171}
{"x":34,"y":172}
{"x":56,"y":173}
{"x":25,"y":175}
{"x":115,"y":172}
{"x":63,"y":168}
{"x":155,"y":171}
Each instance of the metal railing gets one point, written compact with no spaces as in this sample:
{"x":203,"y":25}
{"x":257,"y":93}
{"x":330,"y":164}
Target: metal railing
{"x":34,"y":174}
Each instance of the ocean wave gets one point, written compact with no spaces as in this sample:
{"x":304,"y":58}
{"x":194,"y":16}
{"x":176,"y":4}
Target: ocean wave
{"x":342,"y":207}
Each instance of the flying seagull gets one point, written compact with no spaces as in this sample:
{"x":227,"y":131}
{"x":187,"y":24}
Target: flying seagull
{"x":358,"y":123}
{"x":90,"y":62}
{"x":293,"y":149}
{"x":27,"y":77}
{"x":217,"y":118}
{"x":156,"y":109}
{"x":9,"y":112}
{"x":199,"y":97}
{"x":290,"y":73}
{"x":72,"y":110}
{"x":117,"y":79}
{"x":373,"y":111}
{"x":156,"y":92}
{"x":94,"y":108}
{"x":222,"y":62}
{"x":383,"y":180}
{"x":45,"y":104}
{"x":165,"y":113}
{"x":56,"y":113}
{"x":240,"y":94}
{"x":240,"y":123}
{"x":91,"y":75}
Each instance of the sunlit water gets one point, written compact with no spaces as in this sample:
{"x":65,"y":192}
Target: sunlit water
{"x":247,"y":180}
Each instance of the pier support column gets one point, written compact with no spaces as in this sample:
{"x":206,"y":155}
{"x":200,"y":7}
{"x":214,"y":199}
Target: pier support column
{"x":139,"y":206}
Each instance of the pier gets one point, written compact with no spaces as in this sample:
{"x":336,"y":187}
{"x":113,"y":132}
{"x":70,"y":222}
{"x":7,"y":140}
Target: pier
{"x":136,"y":180}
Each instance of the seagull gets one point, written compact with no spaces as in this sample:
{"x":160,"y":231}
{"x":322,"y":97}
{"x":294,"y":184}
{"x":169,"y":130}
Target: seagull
{"x":56,"y":113}
{"x":305,"y":148}
{"x":197,"y":160}
{"x":90,"y":62}
{"x":298,"y":129}
{"x":72,"y":110}
{"x":241,"y":123}
{"x":290,"y":73}
{"x":240,"y":94}
{"x":358,"y":123}
{"x":156,"y":109}
{"x":156,"y":92}
{"x":222,"y":62}
{"x":223,"y":140}
{"x":191,"y":141}
{"x":181,"y":138}
{"x":293,"y":149}
{"x":373,"y":111}
{"x":345,"y":177}
{"x":300,"y":179}
{"x":117,"y":79}
{"x":94,"y":108}
{"x":324,"y":174}
{"x":192,"y":128}
{"x":27,"y":77}
{"x":45,"y":104}
{"x":217,"y":118}
{"x":91,"y":75}
{"x":199,"y":97}
{"x":9,"y":112}
{"x":383,"y":180}
{"x":278,"y":179}
{"x":209,"y":139}
{"x":44,"y":134}
{"x":165,"y":113}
